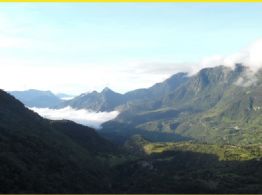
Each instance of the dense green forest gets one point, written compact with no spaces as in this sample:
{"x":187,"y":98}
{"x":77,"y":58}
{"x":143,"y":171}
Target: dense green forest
{"x":217,"y":105}
{"x":201,"y":135}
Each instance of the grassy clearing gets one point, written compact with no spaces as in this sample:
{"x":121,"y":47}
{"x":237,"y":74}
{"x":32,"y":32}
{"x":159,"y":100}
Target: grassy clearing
{"x":225,"y":152}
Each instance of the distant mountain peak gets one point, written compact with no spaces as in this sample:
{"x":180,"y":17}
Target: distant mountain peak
{"x":37,"y":90}
{"x":106,"y":89}
{"x":239,"y":67}
{"x":36,"y":98}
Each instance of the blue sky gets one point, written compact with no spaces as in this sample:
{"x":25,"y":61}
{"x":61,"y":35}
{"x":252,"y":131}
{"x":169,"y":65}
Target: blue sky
{"x":75,"y":48}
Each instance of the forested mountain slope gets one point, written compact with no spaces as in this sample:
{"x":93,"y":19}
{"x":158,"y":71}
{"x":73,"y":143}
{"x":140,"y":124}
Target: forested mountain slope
{"x":219,"y":105}
{"x":42,"y":156}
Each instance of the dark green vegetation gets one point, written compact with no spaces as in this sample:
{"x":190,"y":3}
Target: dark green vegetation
{"x":36,"y":98}
{"x":192,"y":168}
{"x":223,"y":152}
{"x":43,"y":156}
{"x":217,"y":105}
{"x":215,"y":117}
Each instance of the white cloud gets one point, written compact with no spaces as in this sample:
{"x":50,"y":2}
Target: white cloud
{"x":74,"y":79}
{"x":55,"y":74}
{"x":47,"y":60}
{"x":82,"y":116}
{"x":251,"y":56}
{"x":13,"y":42}
{"x":67,"y":98}
{"x":247,"y":79}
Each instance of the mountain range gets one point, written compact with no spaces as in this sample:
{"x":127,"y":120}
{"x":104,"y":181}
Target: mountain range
{"x":37,"y":98}
{"x":216,"y":105}
{"x":189,"y":134}
{"x":40,"y":155}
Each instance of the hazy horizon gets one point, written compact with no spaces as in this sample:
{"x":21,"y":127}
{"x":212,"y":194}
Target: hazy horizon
{"x":121,"y":46}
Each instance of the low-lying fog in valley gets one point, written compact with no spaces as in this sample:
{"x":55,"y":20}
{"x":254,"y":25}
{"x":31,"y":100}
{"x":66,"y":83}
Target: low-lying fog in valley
{"x":81,"y":116}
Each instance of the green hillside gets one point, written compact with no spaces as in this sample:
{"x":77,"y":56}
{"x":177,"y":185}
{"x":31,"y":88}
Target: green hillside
{"x":42,"y":156}
{"x":190,"y":168}
{"x":217,"y":105}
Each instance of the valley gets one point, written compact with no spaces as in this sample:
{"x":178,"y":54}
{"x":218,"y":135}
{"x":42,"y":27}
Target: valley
{"x":188,"y":134}
{"x":131,"y":98}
